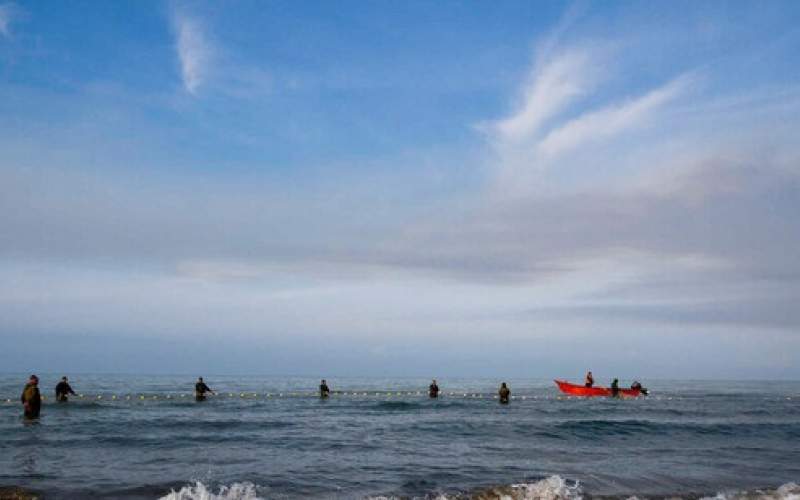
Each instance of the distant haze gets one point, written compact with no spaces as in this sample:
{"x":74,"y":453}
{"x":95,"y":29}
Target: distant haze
{"x":431,"y":189}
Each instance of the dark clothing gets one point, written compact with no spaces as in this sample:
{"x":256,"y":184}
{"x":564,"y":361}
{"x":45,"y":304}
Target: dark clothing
{"x":589,"y":381}
{"x":433,"y":391}
{"x":505,"y":394}
{"x":31,"y":397}
{"x":62,"y":390}
{"x":615,"y":388}
{"x":200,"y":390}
{"x":324,"y":392}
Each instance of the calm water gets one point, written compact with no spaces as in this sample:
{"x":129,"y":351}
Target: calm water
{"x":687,"y":439}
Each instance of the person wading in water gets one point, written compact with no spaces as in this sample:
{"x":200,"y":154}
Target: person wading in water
{"x":200,"y":390}
{"x":31,"y":399}
{"x":433,"y":390}
{"x":504,"y":393}
{"x":63,"y":389}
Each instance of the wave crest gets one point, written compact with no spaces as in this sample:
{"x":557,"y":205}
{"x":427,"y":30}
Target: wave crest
{"x":551,"y":488}
{"x":789,"y":491}
{"x":236,"y":491}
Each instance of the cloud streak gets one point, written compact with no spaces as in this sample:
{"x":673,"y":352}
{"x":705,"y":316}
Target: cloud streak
{"x":605,"y":123}
{"x":6,"y":15}
{"x":553,"y":84}
{"x":194,"y":51}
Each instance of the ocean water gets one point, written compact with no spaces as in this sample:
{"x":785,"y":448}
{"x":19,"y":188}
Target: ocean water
{"x":144,"y":437}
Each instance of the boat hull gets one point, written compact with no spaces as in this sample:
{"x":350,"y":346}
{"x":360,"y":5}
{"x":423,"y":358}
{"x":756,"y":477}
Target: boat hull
{"x":580,"y":390}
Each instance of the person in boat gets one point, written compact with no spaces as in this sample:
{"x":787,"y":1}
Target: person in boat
{"x":63,"y":389}
{"x":31,"y":399}
{"x":504,"y":393}
{"x":589,"y":379}
{"x":636,"y":386}
{"x":200,"y":390}
{"x":324,"y":391}
{"x":433,"y":389}
{"x":615,"y":388}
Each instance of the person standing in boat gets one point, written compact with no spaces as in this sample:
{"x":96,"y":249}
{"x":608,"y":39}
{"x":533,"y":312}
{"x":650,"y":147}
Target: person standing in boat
{"x":504,"y":393}
{"x":589,"y":379}
{"x":615,"y":388}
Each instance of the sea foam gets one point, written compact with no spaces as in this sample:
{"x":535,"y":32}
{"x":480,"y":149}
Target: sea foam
{"x":789,"y":491}
{"x":551,"y":488}
{"x":199,"y":491}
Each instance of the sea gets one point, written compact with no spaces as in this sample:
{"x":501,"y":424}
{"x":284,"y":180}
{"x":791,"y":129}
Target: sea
{"x":145,"y":437}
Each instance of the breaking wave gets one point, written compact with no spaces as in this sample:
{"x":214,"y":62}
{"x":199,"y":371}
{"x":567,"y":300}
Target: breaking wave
{"x":551,"y":488}
{"x":789,"y":491}
{"x":199,"y":491}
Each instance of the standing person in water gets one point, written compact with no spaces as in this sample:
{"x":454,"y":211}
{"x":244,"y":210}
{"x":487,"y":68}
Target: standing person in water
{"x":433,"y":389}
{"x":504,"y":393}
{"x":31,"y":399}
{"x":589,"y":379}
{"x":200,"y":390}
{"x":615,"y":388}
{"x":63,"y":389}
{"x":324,"y":391}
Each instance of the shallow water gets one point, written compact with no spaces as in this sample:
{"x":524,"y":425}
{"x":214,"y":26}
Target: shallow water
{"x":272,"y":438}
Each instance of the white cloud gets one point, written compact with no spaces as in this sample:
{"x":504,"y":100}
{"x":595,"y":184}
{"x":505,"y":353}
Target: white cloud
{"x":610,"y":121}
{"x":6,"y":13}
{"x":553,"y":84}
{"x":194,"y":52}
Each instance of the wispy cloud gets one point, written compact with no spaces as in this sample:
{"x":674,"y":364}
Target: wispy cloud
{"x":6,"y":14}
{"x":552,"y":85}
{"x":194,"y":51}
{"x":610,"y":121}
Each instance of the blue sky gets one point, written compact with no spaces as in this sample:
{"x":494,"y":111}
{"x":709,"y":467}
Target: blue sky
{"x":414,"y":188}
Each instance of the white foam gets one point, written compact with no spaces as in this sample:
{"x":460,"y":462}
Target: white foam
{"x":789,"y":491}
{"x":236,"y":491}
{"x":552,"y":488}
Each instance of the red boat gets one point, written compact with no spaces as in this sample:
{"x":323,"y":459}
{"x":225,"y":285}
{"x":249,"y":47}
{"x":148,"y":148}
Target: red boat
{"x":582,"y":390}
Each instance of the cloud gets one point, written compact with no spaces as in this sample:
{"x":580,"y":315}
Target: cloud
{"x":207,"y":65}
{"x":597,"y":125}
{"x":553,"y":84}
{"x":194,"y":51}
{"x":6,"y":15}
{"x":662,"y":209}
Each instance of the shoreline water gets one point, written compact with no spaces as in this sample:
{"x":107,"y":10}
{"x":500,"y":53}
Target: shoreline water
{"x":395,"y":442}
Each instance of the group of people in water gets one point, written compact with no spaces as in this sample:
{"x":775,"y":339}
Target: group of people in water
{"x":201,"y":389}
{"x":32,"y":401}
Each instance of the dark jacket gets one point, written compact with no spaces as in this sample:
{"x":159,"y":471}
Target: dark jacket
{"x":505,"y":394}
{"x":62,"y":389}
{"x":201,"y":389}
{"x":31,"y":396}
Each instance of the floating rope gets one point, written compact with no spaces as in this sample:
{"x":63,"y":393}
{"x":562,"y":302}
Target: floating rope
{"x":102,"y":397}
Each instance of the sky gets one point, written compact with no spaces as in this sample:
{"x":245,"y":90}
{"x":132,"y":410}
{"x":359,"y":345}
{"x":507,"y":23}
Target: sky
{"x":493,"y":189}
